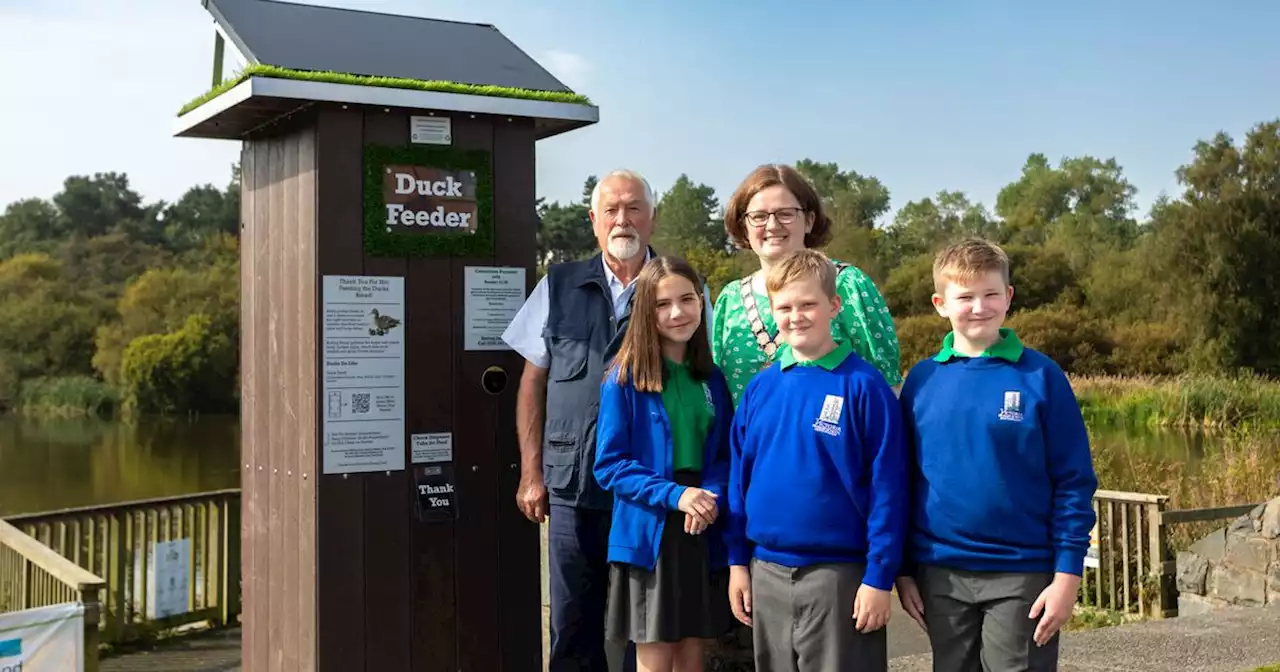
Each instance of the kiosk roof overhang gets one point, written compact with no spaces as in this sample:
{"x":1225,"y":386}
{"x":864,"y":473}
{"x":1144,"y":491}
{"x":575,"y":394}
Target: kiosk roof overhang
{"x":257,"y":101}
{"x":301,"y":54}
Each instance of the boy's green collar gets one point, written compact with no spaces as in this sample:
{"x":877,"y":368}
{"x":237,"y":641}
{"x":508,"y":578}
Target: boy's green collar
{"x":1009,"y":347}
{"x":828,"y":361}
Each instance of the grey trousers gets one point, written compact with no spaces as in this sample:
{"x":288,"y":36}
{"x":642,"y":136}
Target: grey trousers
{"x":978,"y":621}
{"x":802,"y":620}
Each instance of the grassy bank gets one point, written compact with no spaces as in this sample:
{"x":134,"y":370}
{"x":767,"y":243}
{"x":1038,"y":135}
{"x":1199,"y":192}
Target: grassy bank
{"x":73,"y":396}
{"x":1218,"y":402}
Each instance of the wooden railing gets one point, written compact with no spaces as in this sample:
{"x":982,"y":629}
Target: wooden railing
{"x":1131,"y":568}
{"x":32,"y":575}
{"x":120,"y":541}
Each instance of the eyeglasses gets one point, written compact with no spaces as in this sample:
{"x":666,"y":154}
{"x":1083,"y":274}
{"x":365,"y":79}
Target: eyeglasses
{"x":758,"y":218}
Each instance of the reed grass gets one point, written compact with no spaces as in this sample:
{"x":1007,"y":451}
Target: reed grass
{"x":69,"y":396}
{"x":1247,"y":401}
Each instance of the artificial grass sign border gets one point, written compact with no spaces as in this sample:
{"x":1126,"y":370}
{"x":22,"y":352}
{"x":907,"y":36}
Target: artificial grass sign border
{"x":383,"y":241}
{"x":271,"y":71}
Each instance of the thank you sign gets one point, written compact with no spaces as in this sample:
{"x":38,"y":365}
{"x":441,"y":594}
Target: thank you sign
{"x":424,"y":199}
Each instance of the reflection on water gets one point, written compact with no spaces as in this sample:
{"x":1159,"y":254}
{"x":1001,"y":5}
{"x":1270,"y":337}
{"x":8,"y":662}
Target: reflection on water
{"x":1127,"y":457}
{"x":56,"y":464}
{"x":1188,"y":445}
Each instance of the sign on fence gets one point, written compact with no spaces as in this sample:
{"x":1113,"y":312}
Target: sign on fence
{"x":43,"y":639}
{"x":1091,"y":556}
{"x":169,"y":578}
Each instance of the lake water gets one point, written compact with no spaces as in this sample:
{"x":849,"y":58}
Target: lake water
{"x":55,"y":464}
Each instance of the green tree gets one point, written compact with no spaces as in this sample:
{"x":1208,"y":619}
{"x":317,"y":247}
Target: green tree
{"x":925,"y":226}
{"x":46,"y":327}
{"x":688,"y":218}
{"x":1217,"y":246}
{"x":1081,"y":207}
{"x":180,"y":371}
{"x":160,"y":301}
{"x":854,"y":202}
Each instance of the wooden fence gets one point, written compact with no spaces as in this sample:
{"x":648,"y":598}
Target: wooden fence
{"x":119,"y":542}
{"x":32,"y":575}
{"x":1131,"y":568}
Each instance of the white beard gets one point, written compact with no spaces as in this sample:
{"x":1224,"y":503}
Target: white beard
{"x":623,"y":249}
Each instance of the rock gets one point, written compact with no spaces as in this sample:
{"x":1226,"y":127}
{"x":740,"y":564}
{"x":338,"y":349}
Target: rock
{"x":1192,"y":570}
{"x":1273,"y":585}
{"x":1194,"y":605}
{"x":1245,"y":524}
{"x":1270,"y":520}
{"x":1212,"y":547}
{"x":1248,"y":553}
{"x":1238,"y":586}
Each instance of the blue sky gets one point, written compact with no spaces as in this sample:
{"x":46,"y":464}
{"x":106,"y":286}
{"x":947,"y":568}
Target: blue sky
{"x":924,"y":95}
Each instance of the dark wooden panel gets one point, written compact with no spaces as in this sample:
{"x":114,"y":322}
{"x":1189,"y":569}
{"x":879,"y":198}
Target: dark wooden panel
{"x":387,"y":542}
{"x":475,"y":463}
{"x":340,"y":498}
{"x":287,"y":447}
{"x":249,"y":225}
{"x":305,"y":290}
{"x":429,"y":387}
{"x":519,"y":583}
{"x":258,"y":658}
{"x":278,"y":580}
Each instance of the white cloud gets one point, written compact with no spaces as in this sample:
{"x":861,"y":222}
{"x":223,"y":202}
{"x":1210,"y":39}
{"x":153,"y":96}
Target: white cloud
{"x":570,"y":68}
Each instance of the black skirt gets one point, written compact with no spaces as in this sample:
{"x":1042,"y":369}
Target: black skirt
{"x":683,"y":597}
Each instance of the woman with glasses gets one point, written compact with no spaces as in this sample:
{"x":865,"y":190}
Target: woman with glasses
{"x":776,"y":211}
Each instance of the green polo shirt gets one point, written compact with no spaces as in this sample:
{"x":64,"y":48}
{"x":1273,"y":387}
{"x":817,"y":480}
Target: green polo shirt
{"x":828,"y":361}
{"x":690,"y":411}
{"x":1009,"y":347}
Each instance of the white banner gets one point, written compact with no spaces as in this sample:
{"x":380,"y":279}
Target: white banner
{"x":45,"y":639}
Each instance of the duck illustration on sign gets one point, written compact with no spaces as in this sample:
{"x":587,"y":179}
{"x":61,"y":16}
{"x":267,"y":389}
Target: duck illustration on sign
{"x":382,"y":323}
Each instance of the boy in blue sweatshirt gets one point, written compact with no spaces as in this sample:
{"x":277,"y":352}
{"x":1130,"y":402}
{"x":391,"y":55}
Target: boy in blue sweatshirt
{"x":1002,"y":481}
{"x":817,"y":490}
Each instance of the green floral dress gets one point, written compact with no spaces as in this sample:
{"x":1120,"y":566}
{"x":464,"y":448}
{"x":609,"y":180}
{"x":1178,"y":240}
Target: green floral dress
{"x":864,"y":322}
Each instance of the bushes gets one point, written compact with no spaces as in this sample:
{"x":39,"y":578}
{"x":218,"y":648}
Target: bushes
{"x":1081,"y":343}
{"x":1147,"y":349}
{"x":919,"y":337}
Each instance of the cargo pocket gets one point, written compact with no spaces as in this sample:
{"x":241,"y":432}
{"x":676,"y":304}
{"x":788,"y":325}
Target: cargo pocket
{"x":568,"y":344}
{"x":560,"y":463}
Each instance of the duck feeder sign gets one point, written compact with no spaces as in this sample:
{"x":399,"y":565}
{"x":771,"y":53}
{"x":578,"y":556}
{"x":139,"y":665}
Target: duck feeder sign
{"x":423,"y":199}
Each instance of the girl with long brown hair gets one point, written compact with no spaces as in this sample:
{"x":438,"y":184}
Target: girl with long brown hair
{"x":662,"y":449}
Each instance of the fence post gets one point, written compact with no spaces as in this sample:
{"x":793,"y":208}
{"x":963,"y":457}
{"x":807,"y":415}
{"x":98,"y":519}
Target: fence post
{"x":1163,"y":567}
{"x":229,"y":600}
{"x":92,"y":616}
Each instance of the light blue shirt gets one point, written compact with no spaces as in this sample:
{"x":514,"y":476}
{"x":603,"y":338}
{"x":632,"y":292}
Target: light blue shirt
{"x":524,"y":334}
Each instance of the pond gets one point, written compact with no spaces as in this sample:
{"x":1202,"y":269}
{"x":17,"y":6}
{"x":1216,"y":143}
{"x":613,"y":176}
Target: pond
{"x":55,"y":464}
{"x":59,"y":463}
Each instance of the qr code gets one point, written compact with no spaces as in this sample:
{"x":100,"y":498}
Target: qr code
{"x":360,"y":402}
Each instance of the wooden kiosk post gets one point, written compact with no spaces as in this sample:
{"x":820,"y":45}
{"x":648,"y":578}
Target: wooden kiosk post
{"x":388,"y":236}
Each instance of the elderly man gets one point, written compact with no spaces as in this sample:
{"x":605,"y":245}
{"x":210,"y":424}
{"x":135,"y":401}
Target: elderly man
{"x":567,"y":331}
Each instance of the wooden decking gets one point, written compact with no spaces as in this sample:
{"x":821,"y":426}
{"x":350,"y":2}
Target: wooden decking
{"x":216,"y":651}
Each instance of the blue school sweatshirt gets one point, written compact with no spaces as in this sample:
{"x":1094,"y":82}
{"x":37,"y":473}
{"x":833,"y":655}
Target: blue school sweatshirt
{"x":1002,"y":477}
{"x":818,"y":467}
{"x":634,"y":462}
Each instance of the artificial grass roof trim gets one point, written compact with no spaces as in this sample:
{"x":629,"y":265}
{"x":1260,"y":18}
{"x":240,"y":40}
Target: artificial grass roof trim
{"x":386,"y":82}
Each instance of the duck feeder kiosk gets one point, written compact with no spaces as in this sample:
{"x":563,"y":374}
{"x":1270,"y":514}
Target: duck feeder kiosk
{"x":387,"y":238}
